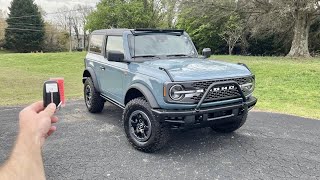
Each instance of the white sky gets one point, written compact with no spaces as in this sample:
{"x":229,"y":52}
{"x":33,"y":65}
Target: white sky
{"x":52,"y":5}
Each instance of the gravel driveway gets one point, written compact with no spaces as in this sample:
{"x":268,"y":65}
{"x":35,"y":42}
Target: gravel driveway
{"x":87,"y":146}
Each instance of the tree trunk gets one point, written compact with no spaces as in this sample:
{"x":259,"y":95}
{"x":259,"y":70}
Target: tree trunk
{"x":84,"y":41}
{"x":230,"y":50}
{"x":300,"y":43}
{"x":76,"y":30}
{"x":84,"y":36}
{"x":244,"y":44}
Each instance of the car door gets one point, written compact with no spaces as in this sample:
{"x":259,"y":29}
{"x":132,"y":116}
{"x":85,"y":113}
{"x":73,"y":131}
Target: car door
{"x":95,"y":59}
{"x":113,"y":72}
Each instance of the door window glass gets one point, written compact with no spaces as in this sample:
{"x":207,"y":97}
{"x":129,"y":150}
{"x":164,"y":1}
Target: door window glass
{"x":115,"y":43}
{"x":96,"y":43}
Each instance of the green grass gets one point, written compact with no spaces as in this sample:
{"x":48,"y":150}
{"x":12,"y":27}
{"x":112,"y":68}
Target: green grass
{"x":2,"y":51}
{"x":284,"y":85}
{"x":22,"y":75}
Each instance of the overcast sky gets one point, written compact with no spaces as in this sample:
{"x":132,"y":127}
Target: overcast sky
{"x":52,"y":5}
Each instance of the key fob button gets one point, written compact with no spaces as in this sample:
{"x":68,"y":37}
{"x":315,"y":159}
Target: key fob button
{"x":51,"y":93}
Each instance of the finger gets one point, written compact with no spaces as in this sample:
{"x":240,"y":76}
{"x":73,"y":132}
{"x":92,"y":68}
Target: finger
{"x":54,"y":119}
{"x":51,"y":130}
{"x":50,"y":110}
{"x":37,"y":107}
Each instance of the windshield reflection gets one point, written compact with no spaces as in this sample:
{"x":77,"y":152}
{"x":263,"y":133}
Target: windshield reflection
{"x":158,"y":46}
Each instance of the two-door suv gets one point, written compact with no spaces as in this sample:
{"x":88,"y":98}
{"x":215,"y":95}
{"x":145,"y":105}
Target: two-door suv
{"x":162,"y":83}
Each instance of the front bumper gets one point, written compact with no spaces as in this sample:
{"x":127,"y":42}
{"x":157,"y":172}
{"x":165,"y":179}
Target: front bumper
{"x":204,"y":116}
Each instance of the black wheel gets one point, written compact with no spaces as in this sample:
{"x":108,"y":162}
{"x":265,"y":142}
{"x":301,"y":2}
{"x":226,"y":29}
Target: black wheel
{"x":93,"y":100}
{"x":143,"y":131}
{"x":233,"y":124}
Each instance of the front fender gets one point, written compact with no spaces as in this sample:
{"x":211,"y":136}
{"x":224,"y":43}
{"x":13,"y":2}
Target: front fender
{"x":89,"y":72}
{"x":147,"y":94}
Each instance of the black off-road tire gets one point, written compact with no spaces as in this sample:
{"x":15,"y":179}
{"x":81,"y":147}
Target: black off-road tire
{"x":233,"y":124}
{"x":96,"y":103}
{"x":160,"y":132}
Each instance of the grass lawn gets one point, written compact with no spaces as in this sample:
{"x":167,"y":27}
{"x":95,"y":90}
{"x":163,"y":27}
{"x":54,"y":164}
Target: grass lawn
{"x":4,"y":51}
{"x":283,"y":85}
{"x":22,"y":75}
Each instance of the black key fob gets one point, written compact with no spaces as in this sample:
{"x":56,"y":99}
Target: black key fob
{"x":51,"y":93}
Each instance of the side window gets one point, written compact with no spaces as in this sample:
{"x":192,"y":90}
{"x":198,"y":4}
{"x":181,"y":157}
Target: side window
{"x":96,"y":43}
{"x":115,"y":43}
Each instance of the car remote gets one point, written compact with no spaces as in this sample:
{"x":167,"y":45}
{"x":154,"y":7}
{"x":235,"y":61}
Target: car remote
{"x":51,"y":94}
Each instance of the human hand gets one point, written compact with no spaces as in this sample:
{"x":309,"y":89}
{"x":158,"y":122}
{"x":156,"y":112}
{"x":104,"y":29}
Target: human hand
{"x":36,"y":122}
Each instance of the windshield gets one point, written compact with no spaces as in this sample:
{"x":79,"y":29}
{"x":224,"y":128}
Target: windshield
{"x":161,"y":46}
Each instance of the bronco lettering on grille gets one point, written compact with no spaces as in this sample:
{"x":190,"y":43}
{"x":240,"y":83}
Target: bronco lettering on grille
{"x":222,"y":88}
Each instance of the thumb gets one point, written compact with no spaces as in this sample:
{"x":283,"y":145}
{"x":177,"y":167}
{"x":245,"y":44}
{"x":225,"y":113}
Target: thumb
{"x":50,"y":110}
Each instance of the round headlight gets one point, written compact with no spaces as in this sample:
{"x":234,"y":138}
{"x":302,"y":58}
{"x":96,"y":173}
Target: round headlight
{"x":173,"y":92}
{"x":248,"y":88}
{"x":253,"y":85}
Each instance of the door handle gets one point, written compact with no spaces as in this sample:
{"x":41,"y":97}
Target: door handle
{"x":102,"y":68}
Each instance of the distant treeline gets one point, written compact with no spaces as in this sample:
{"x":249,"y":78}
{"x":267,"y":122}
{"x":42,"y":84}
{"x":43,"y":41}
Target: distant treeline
{"x":250,"y":27}
{"x":247,"y":27}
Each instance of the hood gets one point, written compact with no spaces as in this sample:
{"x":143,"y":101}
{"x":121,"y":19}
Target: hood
{"x":198,"y":69}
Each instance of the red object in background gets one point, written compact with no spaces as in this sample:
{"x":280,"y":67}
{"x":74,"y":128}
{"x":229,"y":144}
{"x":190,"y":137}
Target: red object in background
{"x":60,"y":82}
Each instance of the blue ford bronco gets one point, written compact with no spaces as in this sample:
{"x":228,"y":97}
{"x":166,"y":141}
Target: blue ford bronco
{"x":162,"y":83}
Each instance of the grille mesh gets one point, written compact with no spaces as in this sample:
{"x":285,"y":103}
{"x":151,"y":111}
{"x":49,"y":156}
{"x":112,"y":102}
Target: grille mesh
{"x":220,"y":95}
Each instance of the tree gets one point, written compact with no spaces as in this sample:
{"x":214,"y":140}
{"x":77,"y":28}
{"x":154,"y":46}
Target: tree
{"x":314,"y":38}
{"x":84,"y":13}
{"x":204,"y":22}
{"x":75,"y":23}
{"x":304,"y":14}
{"x":292,"y":18}
{"x":232,"y":31}
{"x":3,"y":25}
{"x":296,"y":16}
{"x":69,"y":21}
{"x":169,"y":10}
{"x":123,"y":14}
{"x":56,"y":39}
{"x":25,"y":31}
{"x":203,"y":33}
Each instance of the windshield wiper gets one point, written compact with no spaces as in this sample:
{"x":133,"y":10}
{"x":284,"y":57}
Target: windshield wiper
{"x":179,"y":55}
{"x":146,"y":56}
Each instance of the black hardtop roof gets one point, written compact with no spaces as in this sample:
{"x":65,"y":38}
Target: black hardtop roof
{"x":119,"y":32}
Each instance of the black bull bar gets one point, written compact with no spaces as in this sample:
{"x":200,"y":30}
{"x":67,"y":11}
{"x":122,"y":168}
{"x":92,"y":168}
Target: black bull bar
{"x":190,"y":116}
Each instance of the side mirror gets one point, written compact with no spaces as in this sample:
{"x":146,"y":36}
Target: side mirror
{"x":115,"y":56}
{"x":206,"y":52}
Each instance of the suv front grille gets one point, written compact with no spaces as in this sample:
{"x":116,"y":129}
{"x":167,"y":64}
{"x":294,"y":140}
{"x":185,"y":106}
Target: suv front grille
{"x":220,"y":95}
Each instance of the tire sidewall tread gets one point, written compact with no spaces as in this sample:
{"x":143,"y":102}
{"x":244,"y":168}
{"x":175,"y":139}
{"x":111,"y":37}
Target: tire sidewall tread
{"x":159,"y":131}
{"x":97,"y":102}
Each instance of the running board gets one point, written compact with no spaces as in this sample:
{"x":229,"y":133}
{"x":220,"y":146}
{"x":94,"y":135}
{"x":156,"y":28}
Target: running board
{"x":112,"y":101}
